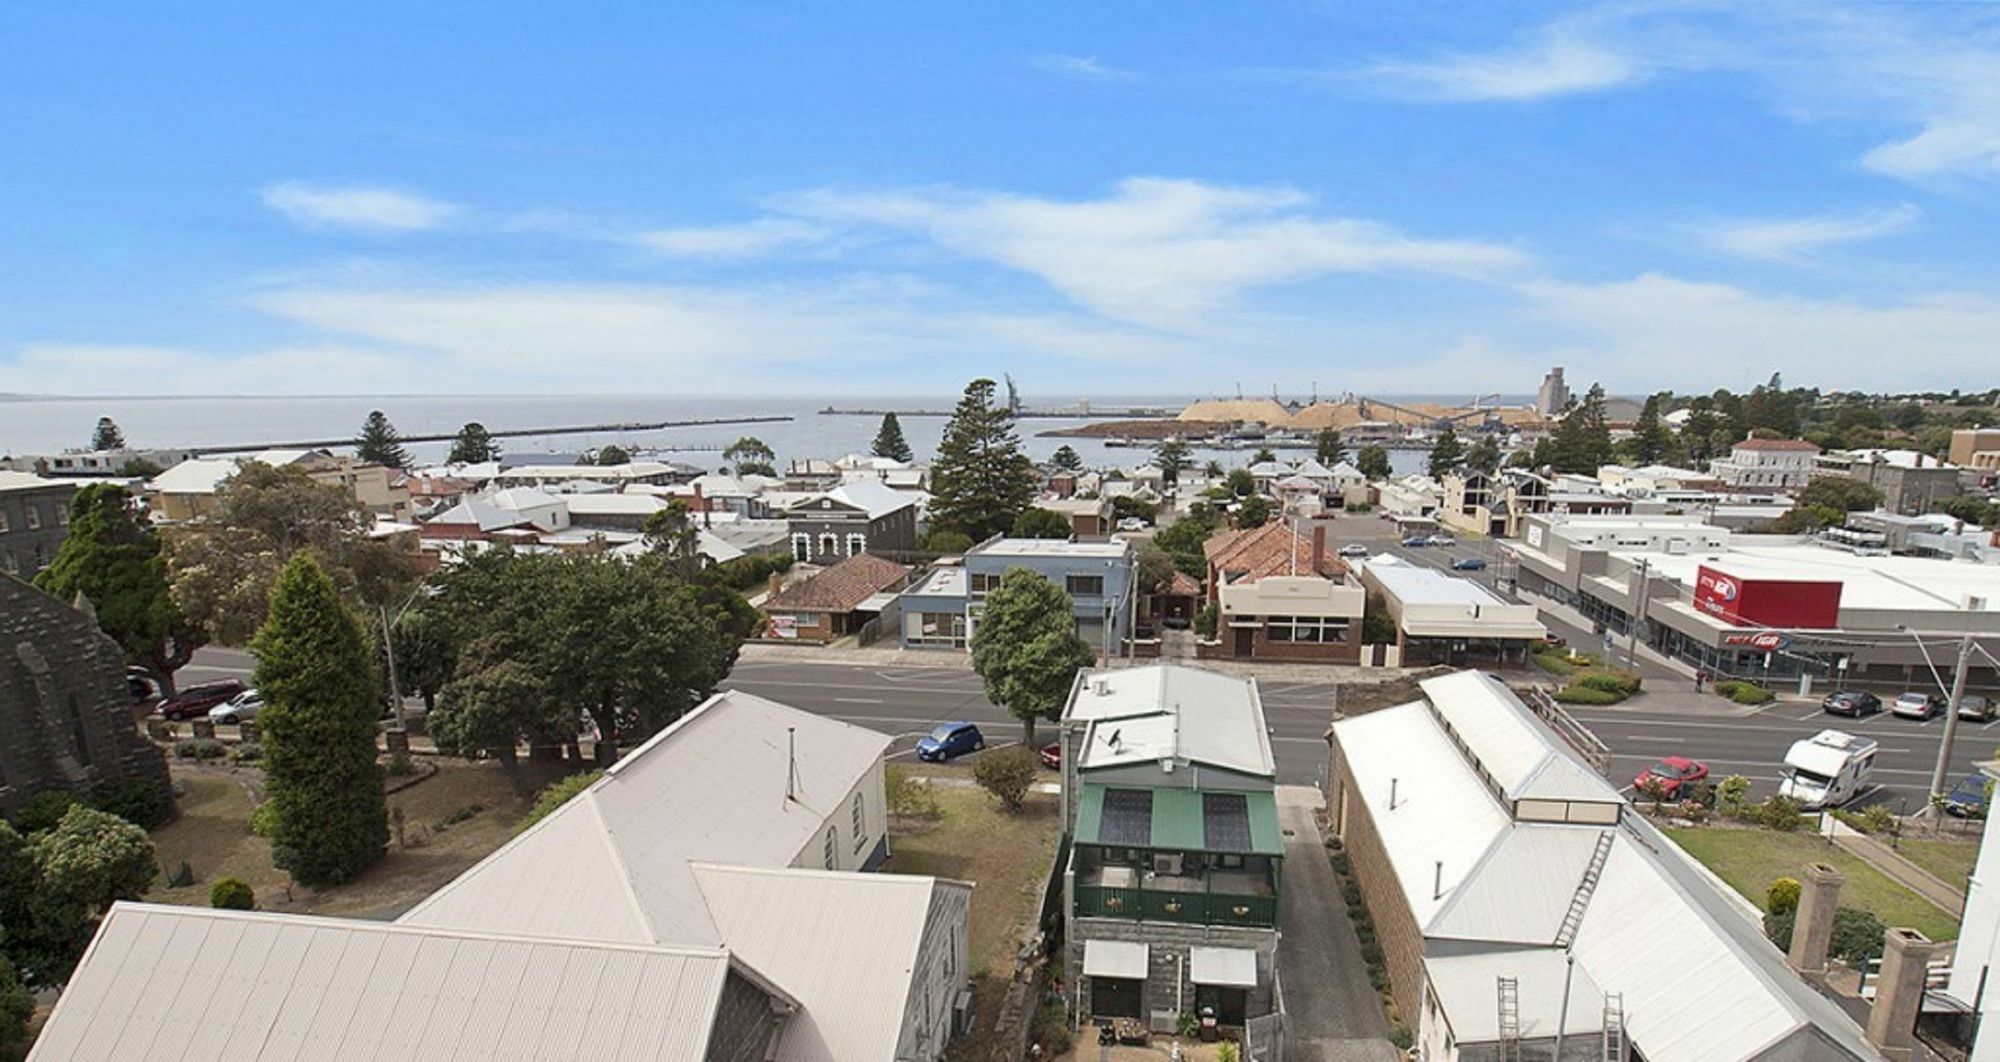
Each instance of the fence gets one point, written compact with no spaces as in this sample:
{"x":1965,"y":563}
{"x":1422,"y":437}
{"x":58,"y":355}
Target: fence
{"x":1264,"y":1036}
{"x":1579,"y":737}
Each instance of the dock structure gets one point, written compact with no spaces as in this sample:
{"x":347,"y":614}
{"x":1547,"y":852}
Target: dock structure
{"x":504,"y":433}
{"x":1049,"y":414}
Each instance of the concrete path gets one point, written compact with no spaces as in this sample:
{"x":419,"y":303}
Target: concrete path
{"x":1902,"y":871}
{"x":1331,"y":1011}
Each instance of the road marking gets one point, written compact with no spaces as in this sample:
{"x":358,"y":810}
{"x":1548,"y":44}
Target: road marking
{"x":1815,"y":715}
{"x":858,"y":700}
{"x":752,"y":684}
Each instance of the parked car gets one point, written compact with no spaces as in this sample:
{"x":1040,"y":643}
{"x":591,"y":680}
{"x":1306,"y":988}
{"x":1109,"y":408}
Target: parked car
{"x":1916,"y":704}
{"x":236,"y":709}
{"x":1052,"y":755}
{"x":1856,"y":703}
{"x":1416,"y":540}
{"x":195,"y":701}
{"x":949,"y":740}
{"x":1469,"y":564}
{"x":1443,"y":540}
{"x":1131,"y":523}
{"x":1354,"y":549}
{"x":140,"y":683}
{"x":1976,"y":708}
{"x":1967,"y":799}
{"x":1554,"y":640}
{"x":1176,"y":623}
{"x":1673,"y":777}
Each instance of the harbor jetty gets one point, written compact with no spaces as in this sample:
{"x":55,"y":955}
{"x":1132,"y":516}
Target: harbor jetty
{"x":500,"y":433}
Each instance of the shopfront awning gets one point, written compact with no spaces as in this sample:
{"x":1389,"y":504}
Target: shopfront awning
{"x":1115,"y":958}
{"x":1223,"y":967}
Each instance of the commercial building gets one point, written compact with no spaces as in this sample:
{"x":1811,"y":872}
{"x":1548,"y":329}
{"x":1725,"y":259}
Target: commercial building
{"x":864,"y":516}
{"x":1281,"y":596}
{"x":1518,"y":900}
{"x":942,"y":610}
{"x":1764,"y":607}
{"x":1175,"y":855}
{"x":1968,"y":443}
{"x":1910,"y":481}
{"x":1768,"y":465}
{"x":1443,"y":619}
{"x":34,"y":520}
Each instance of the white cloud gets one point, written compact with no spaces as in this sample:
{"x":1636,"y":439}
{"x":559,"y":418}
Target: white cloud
{"x":357,"y":207}
{"x":1789,"y":239}
{"x":750,"y":239}
{"x":1083,"y":66}
{"x":1560,"y":61}
{"x":1162,"y":253}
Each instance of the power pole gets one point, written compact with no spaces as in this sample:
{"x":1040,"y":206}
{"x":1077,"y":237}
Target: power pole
{"x":1632,"y":629}
{"x":389,"y":647}
{"x":1943,"y":768}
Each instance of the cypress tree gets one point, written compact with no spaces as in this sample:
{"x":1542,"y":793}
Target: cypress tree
{"x":380,"y":443}
{"x":473,"y":445}
{"x":981,"y":481}
{"x":889,"y":441}
{"x":107,"y":436}
{"x":1067,"y":459}
{"x":319,"y":686}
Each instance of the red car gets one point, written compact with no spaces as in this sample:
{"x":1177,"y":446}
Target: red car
{"x":195,"y":701}
{"x":1052,"y":755}
{"x":1672,"y":777}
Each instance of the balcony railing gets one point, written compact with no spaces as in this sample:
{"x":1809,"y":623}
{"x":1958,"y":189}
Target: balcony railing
{"x":1199,"y":908}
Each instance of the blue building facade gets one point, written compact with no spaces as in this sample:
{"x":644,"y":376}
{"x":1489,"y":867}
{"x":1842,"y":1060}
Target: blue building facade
{"x":942,"y":610}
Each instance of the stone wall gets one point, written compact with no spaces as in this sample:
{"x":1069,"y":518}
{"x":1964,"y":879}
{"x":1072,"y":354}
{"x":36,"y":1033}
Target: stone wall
{"x":1169,"y":943}
{"x":65,"y":712}
{"x":1395,"y":927}
{"x":33,"y":523}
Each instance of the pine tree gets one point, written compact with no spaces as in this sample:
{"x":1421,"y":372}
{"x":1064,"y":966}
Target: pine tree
{"x":1171,"y":457}
{"x":107,"y":436}
{"x":1373,"y":462}
{"x":380,"y":443}
{"x":1484,"y":456}
{"x":1067,"y":459}
{"x":981,"y":480}
{"x":889,"y":441}
{"x":319,"y":686}
{"x":1446,"y":453}
{"x":1329,"y":449}
{"x":473,"y":446}
{"x":113,"y":559}
{"x":1582,"y":442}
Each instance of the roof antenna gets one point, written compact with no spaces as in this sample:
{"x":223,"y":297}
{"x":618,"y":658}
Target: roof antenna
{"x":791,"y":763}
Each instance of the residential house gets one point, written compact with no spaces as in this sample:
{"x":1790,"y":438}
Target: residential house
{"x":1412,"y":495}
{"x":853,"y":518}
{"x":539,"y":508}
{"x":1088,"y":517}
{"x":1910,"y":481}
{"x":661,"y":473}
{"x":834,"y":602}
{"x":1771,"y":466}
{"x":933,"y":613}
{"x":897,"y":475}
{"x":1281,"y":596}
{"x":479,"y":520}
{"x":95,"y":464}
{"x":1441,"y":618}
{"x":34,"y":520}
{"x":1651,"y":481}
{"x":190,"y":490}
{"x":1498,"y":504}
{"x":812,"y":474}
{"x":1096,"y":575}
{"x":1518,"y":898}
{"x":1175,"y":857}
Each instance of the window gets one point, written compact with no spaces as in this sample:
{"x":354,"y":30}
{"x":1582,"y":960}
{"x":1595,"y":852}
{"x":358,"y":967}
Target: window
{"x":983,"y":584}
{"x":860,"y":834}
{"x":857,"y":545}
{"x":34,"y":516}
{"x":829,"y":545}
{"x":802,"y":545}
{"x":939,"y":628}
{"x":3,"y":521}
{"x":77,"y":733}
{"x":62,"y":516}
{"x":1085,"y":585}
{"x":1316,"y":629}
{"x":827,"y":855}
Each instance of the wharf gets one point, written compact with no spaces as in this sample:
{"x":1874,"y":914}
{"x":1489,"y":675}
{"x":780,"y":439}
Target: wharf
{"x":504,"y":433}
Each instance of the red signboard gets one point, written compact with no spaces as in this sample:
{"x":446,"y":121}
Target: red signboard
{"x":1749,"y":602}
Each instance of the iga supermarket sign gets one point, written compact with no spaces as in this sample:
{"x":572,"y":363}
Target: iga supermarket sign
{"x":1763,"y":641}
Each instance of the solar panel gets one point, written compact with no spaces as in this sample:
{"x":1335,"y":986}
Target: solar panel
{"x":1225,"y":822}
{"x":1127,"y":818}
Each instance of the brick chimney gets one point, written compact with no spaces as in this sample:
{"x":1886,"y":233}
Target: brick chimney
{"x":1319,"y":548}
{"x":1812,"y":929}
{"x":775,"y":584}
{"x":1899,"y":992}
{"x":701,"y":503}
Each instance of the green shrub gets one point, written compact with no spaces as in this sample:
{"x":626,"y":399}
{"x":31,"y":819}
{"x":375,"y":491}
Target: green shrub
{"x":750,"y":571}
{"x":1857,"y":934}
{"x":1340,"y":863}
{"x":1744,"y":692}
{"x":1779,"y":813}
{"x":1782,"y":896}
{"x":1730,"y":794}
{"x":1006,"y":774}
{"x":1052,"y":1028}
{"x":232,"y":894}
{"x":43,"y":810}
{"x":1622,"y":683}
{"x":1553,"y":663}
{"x":199,"y":749}
{"x":1878,"y":819}
{"x":1350,"y":892}
{"x":136,"y":800}
{"x":1575,"y":694}
{"x":248,"y":752}
{"x":263,"y":819}
{"x":1401,"y":1036}
{"x":1206,"y":621}
{"x":554,"y":795}
{"x":910,"y":796}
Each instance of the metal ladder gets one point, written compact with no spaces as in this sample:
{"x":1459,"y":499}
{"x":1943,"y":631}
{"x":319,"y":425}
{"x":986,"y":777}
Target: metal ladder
{"x":1510,"y":1019}
{"x":1581,"y":898}
{"x":1614,"y":1027}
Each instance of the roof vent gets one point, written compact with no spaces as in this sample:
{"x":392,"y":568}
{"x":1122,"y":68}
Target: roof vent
{"x":1101,"y":686}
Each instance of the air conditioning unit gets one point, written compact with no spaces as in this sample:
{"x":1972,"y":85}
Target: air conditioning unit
{"x":1167,"y":863}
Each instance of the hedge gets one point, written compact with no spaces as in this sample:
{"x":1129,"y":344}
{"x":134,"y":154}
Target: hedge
{"x":1580,"y":694}
{"x":1744,"y":692}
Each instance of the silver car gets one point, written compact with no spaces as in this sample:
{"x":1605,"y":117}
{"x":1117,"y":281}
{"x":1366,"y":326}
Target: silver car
{"x":236,"y":709}
{"x":1976,"y":708}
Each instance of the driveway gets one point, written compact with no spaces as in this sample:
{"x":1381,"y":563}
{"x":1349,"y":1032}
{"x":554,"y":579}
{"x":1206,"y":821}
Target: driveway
{"x":1332,"y":1012}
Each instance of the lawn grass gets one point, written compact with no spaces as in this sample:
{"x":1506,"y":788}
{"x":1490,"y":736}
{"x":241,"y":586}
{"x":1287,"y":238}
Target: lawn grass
{"x":1948,"y":861}
{"x":1007,"y":858}
{"x":213,"y":836}
{"x":1750,"y":859}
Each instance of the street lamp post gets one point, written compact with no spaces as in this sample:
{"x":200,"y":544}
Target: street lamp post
{"x":389,"y":650}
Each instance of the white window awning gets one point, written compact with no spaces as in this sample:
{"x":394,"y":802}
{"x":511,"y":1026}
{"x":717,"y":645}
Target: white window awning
{"x":1223,"y":967}
{"x":1115,"y":958}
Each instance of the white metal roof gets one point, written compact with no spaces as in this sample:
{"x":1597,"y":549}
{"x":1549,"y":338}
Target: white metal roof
{"x":1227,"y":967}
{"x":523,"y":498}
{"x":942,"y":582}
{"x":615,"y":504}
{"x":1911,"y":584}
{"x":1115,"y":958}
{"x":711,"y":788}
{"x":482,"y":515}
{"x":1516,"y":751}
{"x":1049,"y":547}
{"x":276,"y":988}
{"x":845,"y":943}
{"x":872,"y":497}
{"x":197,"y":475}
{"x":1170,"y":710}
{"x":1467,"y":986}
{"x":1417,"y":585}
{"x":1521,"y":888}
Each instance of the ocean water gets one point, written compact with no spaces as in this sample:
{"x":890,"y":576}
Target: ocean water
{"x":43,"y":425}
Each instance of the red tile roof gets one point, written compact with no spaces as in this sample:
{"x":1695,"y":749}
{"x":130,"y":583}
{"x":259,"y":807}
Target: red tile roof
{"x":1778,"y":444}
{"x":841,"y":587}
{"x":1274,"y":549}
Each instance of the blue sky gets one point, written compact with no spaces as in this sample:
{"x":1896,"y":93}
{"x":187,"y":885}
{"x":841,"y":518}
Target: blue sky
{"x":1100,"y":198}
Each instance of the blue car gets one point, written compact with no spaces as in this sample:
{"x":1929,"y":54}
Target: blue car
{"x":1469,"y":564}
{"x":1967,"y":799}
{"x":950,"y":740}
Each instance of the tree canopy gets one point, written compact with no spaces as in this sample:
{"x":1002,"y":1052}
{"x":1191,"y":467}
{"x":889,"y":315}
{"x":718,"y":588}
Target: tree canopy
{"x":55,"y":884}
{"x":1041,"y":523}
{"x":611,"y":454}
{"x":473,"y":446}
{"x":114,"y":560}
{"x":1328,"y":448}
{"x":1172,"y":458}
{"x":1183,"y":540}
{"x":1255,"y":511}
{"x":380,"y":443}
{"x":889,"y":441}
{"x":320,"y":708}
{"x":1484,"y":456}
{"x":107,"y":436}
{"x":1067,"y":459}
{"x":1581,"y":443}
{"x":981,"y":481}
{"x":751,"y":457}
{"x":1446,"y":453}
{"x":1026,"y":650}
{"x":1373,"y":461}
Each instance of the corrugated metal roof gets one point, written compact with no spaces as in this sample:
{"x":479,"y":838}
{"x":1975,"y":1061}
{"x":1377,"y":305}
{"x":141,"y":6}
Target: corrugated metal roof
{"x":1227,"y":967}
{"x":1115,"y":958}
{"x":1468,"y":987}
{"x":1515,"y":750}
{"x":1169,"y":710}
{"x":845,"y":943}
{"x":1521,"y":888}
{"x":279,"y":988}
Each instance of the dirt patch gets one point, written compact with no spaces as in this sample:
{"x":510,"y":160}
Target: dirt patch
{"x":1360,"y":698}
{"x":1137,"y":429}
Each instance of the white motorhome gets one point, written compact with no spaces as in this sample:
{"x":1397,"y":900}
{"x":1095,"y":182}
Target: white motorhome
{"x":1827,"y":769}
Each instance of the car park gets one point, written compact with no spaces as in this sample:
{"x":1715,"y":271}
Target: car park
{"x":1916,"y":704}
{"x":949,"y":740}
{"x":1673,"y":778}
{"x":1856,"y":703}
{"x":1976,"y":708}
{"x":244,"y":706}
{"x":195,"y":701}
{"x":1469,"y":564}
